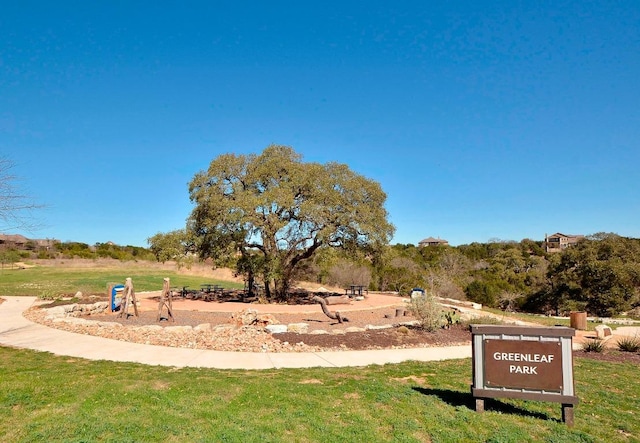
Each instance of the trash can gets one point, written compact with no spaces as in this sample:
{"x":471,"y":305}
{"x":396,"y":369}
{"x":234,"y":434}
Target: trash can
{"x":116,"y":297}
{"x":578,"y":320}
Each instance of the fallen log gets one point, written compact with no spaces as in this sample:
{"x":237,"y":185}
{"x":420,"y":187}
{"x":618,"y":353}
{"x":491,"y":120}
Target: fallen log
{"x":327,"y":312}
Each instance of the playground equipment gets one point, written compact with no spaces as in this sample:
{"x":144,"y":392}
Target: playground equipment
{"x":128,"y":299}
{"x":166,"y":298}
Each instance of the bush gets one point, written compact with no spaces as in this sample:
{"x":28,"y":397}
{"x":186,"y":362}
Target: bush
{"x":629,"y":344}
{"x":483,"y":292}
{"x":634,"y":313}
{"x":593,"y":346}
{"x":428,"y":312}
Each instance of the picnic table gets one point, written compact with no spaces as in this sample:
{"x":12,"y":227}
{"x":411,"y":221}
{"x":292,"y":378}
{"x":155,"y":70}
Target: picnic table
{"x":211,"y":291}
{"x":354,"y":290}
{"x":186,"y":292}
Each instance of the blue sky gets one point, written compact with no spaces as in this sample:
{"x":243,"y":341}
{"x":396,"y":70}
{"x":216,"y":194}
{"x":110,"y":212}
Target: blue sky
{"x":481,"y":120}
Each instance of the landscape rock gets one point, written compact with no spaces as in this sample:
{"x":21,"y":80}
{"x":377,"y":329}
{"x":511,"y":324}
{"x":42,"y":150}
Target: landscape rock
{"x":265,"y":319}
{"x":354,"y":329}
{"x":55,"y":312}
{"x":71,"y":308}
{"x":147,"y":328}
{"x":74,"y":321}
{"x":603,"y":331}
{"x":410,"y":323}
{"x":222,"y":328}
{"x":299,"y":328}
{"x":374,"y":327}
{"x":109,"y":324}
{"x":178,"y":329}
{"x":245,"y":317}
{"x":276,"y":329}
{"x":202,"y":327}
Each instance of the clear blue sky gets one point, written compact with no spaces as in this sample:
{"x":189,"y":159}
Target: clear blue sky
{"x":481,"y":120}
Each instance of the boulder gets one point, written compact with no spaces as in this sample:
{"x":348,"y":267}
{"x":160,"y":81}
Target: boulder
{"x":298,"y":328}
{"x":375,"y":327}
{"x":603,"y":331}
{"x":222,"y":328}
{"x":109,"y":324}
{"x":148,"y":328}
{"x":71,"y":308}
{"x":276,"y":329}
{"x":74,"y":321}
{"x":55,"y":312}
{"x":245,"y":317}
{"x":178,"y":329}
{"x":265,"y":319}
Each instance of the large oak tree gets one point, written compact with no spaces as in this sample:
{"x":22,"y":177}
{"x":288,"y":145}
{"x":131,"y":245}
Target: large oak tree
{"x":276,"y":211}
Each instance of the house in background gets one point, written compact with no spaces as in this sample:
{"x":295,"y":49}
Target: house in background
{"x":13,"y":241}
{"x":432,"y":242}
{"x":21,"y":243}
{"x":558,"y":242}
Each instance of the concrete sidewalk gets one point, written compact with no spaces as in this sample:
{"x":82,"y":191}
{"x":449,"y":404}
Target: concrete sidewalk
{"x":17,"y":331}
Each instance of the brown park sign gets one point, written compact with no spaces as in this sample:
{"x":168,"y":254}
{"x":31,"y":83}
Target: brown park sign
{"x":528,"y":363}
{"x":523,"y":364}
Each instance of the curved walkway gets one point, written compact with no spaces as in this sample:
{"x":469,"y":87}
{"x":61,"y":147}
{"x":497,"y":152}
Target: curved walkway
{"x":17,"y":331}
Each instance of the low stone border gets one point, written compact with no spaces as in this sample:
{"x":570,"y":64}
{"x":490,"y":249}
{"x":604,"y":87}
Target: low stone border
{"x":73,"y":314}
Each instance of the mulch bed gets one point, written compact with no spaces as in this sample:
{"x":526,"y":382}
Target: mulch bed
{"x":397,"y":337}
{"x":610,"y":355}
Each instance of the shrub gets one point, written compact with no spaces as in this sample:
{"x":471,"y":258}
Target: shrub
{"x":629,"y":344}
{"x":451,"y":318}
{"x":428,"y":312}
{"x":483,"y":292}
{"x":634,"y":313}
{"x":593,"y":346}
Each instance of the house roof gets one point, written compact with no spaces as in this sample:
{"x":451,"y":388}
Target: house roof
{"x":432,"y":240}
{"x":559,"y":234}
{"x":13,"y":238}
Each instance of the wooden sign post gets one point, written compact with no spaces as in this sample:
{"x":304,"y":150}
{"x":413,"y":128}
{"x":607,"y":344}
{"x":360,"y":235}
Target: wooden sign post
{"x":527,"y":363}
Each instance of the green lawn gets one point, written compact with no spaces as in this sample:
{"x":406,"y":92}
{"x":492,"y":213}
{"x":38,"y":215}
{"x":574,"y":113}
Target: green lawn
{"x":52,"y":282}
{"x":49,"y":398}
{"x":542,"y":320}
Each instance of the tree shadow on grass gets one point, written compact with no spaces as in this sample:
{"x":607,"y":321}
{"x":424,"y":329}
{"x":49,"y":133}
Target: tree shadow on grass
{"x":465,"y":399}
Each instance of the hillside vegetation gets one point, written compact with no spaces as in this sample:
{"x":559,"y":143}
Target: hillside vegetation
{"x":600,"y":274}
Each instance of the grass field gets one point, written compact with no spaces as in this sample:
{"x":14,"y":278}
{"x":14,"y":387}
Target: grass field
{"x":61,"y":399}
{"x":67,"y":279}
{"x":49,"y":398}
{"x":540,"y":319}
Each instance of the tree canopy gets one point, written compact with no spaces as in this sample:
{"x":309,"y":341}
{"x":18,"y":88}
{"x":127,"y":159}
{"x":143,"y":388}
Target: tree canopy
{"x":601,"y":272}
{"x":276,"y":211}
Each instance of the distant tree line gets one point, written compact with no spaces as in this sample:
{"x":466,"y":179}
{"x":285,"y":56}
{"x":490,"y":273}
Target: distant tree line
{"x":600,"y":274}
{"x":71,"y":249}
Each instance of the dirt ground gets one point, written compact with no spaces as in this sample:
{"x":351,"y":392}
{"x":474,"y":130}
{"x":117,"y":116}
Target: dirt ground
{"x":380,"y":321}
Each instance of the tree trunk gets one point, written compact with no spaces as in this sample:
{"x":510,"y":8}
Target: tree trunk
{"x":331,"y":315}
